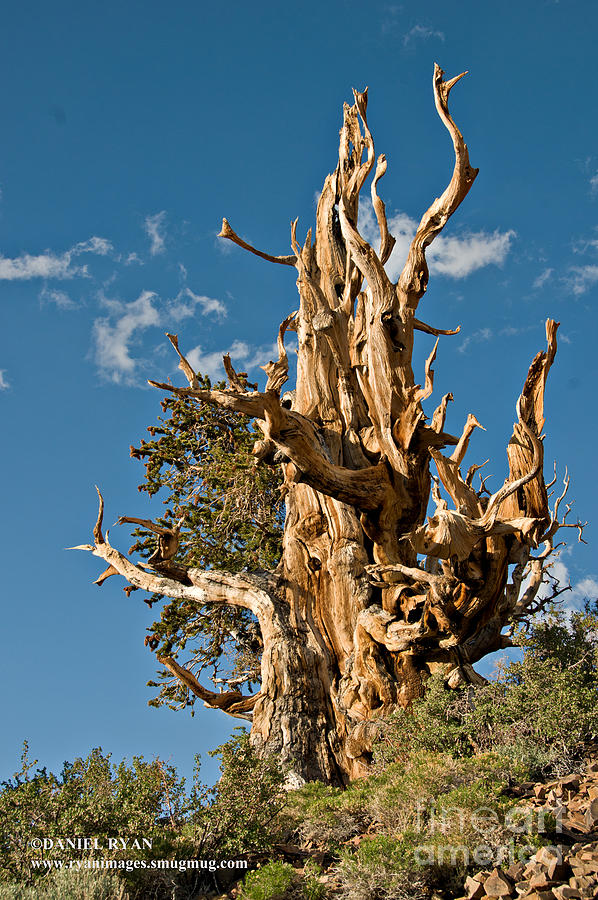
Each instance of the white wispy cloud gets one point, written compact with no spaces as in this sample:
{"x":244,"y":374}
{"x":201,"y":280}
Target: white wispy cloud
{"x":114,"y":334}
{"x":46,"y":265}
{"x":422,"y":32}
{"x":453,"y":256}
{"x":154,"y":228}
{"x":457,"y":257}
{"x":186,"y":304}
{"x":99,"y":246}
{"x":60,"y":298}
{"x":483,"y":334}
{"x":585,"y":244}
{"x":582,"y":590}
{"x":542,"y":278}
{"x":4,"y":385}
{"x":594,"y":184}
{"x":486,"y":334}
{"x":52,"y":265}
{"x":582,"y":278}
{"x":132,"y":258}
{"x":241,"y":354}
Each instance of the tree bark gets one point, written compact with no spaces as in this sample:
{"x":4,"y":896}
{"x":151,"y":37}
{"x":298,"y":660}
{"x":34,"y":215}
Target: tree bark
{"x":370,"y":597}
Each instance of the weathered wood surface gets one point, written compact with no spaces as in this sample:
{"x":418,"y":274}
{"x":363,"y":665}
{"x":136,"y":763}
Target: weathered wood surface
{"x":370,"y":596}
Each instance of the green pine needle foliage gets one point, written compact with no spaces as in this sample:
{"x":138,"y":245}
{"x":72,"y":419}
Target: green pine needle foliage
{"x":199,"y":462}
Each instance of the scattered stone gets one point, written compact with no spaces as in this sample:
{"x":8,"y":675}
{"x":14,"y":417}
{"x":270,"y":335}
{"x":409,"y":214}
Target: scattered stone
{"x":573,"y":801}
{"x":515,"y":871}
{"x":591,"y":817}
{"x":497,"y":884}
{"x":539,"y":881}
{"x":580,"y":882}
{"x":564,"y":892}
{"x":571,"y":781}
{"x":474,"y":889}
{"x":546,"y":855}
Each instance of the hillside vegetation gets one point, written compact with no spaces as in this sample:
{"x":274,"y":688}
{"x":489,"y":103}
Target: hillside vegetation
{"x":446,"y":800}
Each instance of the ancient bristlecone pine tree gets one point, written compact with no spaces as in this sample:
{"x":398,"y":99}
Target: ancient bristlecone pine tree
{"x":371,"y":596}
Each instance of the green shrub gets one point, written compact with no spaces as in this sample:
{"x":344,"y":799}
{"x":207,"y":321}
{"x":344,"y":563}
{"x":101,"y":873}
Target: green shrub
{"x":382,"y":869}
{"x":239,"y":815}
{"x":311,"y":887}
{"x":324,"y":815}
{"x":539,"y":713}
{"x":274,"y":881}
{"x":68,"y":885}
{"x":90,"y":798}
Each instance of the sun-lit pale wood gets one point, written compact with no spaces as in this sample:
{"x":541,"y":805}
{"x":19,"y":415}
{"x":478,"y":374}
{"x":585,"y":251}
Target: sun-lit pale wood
{"x":371,"y":595}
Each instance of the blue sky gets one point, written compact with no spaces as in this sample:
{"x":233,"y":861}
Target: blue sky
{"x":129,"y":130}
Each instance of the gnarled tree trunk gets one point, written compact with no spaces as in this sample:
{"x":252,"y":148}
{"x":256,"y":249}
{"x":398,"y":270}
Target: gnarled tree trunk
{"x":370,"y":597}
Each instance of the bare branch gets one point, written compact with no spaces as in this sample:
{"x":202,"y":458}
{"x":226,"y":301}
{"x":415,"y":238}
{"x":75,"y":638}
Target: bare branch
{"x":231,"y":702}
{"x":363,"y":255}
{"x":387,"y":241}
{"x":245,"y":590}
{"x":183,"y":364}
{"x":278,"y":372}
{"x":235,"y":381}
{"x":97,"y":531}
{"x":168,"y":539}
{"x":528,"y":605}
{"x":427,"y":329}
{"x":461,"y":448}
{"x":296,"y":437}
{"x":414,"y":277}
{"x":553,"y":482}
{"x":105,"y":574}
{"x":473,"y":469}
{"x":511,"y":487}
{"x":440,"y":413}
{"x":555,"y":523}
{"x":227,"y":232}
{"x":249,"y":404}
{"x":532,"y":500}
{"x":426,"y":391}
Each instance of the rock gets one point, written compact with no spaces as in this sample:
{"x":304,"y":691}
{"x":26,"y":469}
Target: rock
{"x":576,"y":821}
{"x":591,"y":817}
{"x":515,"y":871}
{"x":581,"y":868}
{"x":571,"y":781}
{"x":557,"y":868}
{"x":559,"y":871}
{"x":481,"y":876}
{"x":474,"y":889}
{"x":540,"y":881}
{"x":580,"y":882}
{"x":564,"y":892}
{"x":497,"y":884}
{"x":546,"y":855}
